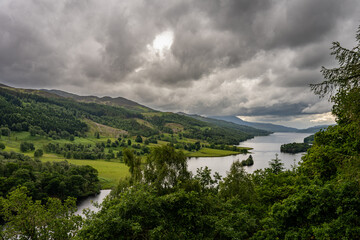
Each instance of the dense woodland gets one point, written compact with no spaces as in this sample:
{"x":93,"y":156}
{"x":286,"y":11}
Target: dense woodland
{"x":320,"y":199}
{"x":294,"y":147}
{"x":43,"y":180}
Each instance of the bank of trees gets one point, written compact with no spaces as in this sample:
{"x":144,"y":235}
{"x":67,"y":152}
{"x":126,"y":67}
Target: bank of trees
{"x":58,"y":179}
{"x":294,"y":147}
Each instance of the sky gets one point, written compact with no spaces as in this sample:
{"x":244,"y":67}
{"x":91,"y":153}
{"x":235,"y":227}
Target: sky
{"x":249,"y":58}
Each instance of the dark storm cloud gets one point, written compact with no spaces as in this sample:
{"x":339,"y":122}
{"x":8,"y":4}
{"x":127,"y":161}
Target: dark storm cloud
{"x":225,"y":54}
{"x":279,"y":109}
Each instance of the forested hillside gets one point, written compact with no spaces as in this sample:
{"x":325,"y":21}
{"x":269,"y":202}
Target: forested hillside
{"x":23,"y":109}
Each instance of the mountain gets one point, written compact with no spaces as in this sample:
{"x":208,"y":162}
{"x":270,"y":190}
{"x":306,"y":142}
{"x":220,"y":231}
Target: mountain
{"x":55,"y":112}
{"x":264,"y":126}
{"x":313,"y":129}
{"x":119,"y":101}
{"x":222,"y":123}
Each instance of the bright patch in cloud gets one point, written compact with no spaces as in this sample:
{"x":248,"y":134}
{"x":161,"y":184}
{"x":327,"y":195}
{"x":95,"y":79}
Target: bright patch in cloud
{"x":163,"y":41}
{"x":323,"y":118}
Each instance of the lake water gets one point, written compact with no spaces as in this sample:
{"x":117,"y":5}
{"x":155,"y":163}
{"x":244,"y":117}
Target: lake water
{"x":264,"y":149}
{"x":88,"y":202}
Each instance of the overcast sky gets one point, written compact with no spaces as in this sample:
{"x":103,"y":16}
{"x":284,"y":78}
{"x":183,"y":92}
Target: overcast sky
{"x":251,"y":58}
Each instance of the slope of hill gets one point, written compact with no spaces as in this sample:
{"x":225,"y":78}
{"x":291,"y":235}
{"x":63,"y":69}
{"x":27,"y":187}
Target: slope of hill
{"x":264,"y":126}
{"x":313,"y":129}
{"x":119,"y":101}
{"x":223,"y":123}
{"x":57,"y":111}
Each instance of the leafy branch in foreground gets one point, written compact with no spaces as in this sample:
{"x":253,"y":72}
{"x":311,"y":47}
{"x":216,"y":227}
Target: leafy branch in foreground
{"x":346,"y":76}
{"x":28,"y":219}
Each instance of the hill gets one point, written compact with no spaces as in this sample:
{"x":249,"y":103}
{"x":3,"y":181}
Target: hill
{"x":223,"y":123}
{"x":119,"y":101}
{"x":313,"y":129}
{"x":264,"y":126}
{"x":269,"y":126}
{"x":54,"y":112}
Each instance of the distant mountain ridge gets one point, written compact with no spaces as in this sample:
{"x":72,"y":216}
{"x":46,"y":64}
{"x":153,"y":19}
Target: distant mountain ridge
{"x":248,"y":129}
{"x":268,"y":126}
{"x":118,"y":101}
{"x":56,"y":111}
{"x":264,"y":126}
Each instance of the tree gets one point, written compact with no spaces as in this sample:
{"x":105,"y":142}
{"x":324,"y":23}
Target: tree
{"x":5,"y":131}
{"x":138,"y":139}
{"x":342,"y":83}
{"x":129,"y":142}
{"x":134,"y":164}
{"x":276,"y":166}
{"x":237,"y":183}
{"x":26,"y":146}
{"x":27,"y":219}
{"x":38,"y":153}
{"x":2,"y":146}
{"x":165,"y":167}
{"x":72,"y":137}
{"x":97,"y":135}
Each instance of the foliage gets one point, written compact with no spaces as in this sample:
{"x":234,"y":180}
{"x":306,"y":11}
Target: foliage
{"x":27,"y":219}
{"x":248,"y":162}
{"x":46,"y":179}
{"x":294,"y":147}
{"x":134,"y":164}
{"x":138,"y":139}
{"x":310,"y":139}
{"x":26,"y":146}
{"x":165,"y":167}
{"x":276,"y":166}
{"x":237,"y":184}
{"x":38,"y":153}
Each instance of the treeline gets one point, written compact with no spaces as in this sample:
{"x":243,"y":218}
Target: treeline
{"x":310,"y":139}
{"x":20,"y":111}
{"x":294,"y":147}
{"x":97,"y":151}
{"x":197,"y":129}
{"x":43,"y":180}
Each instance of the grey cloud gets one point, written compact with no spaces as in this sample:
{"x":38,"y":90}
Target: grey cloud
{"x":279,"y":109}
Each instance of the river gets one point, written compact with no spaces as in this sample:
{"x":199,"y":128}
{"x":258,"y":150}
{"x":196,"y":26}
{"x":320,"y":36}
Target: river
{"x":88,"y":202}
{"x":264,"y":149}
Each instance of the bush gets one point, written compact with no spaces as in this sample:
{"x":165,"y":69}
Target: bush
{"x":25,"y":146}
{"x":38,"y":153}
